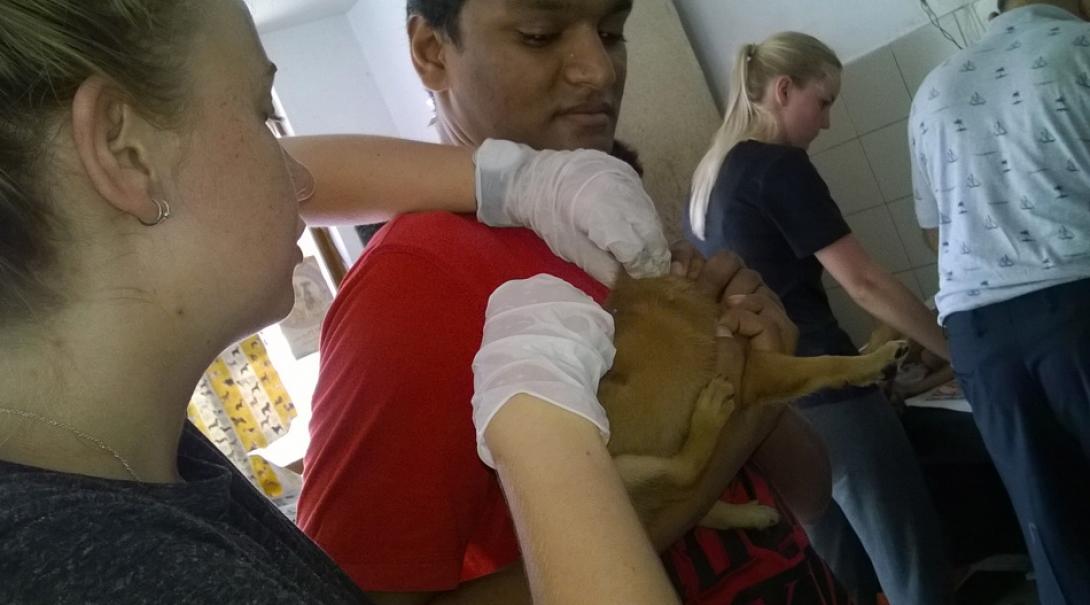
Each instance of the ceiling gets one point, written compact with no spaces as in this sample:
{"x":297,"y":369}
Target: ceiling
{"x":854,"y":26}
{"x":276,"y":14}
{"x":715,"y":27}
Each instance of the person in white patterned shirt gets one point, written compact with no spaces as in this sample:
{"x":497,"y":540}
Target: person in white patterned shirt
{"x":1000,"y":138}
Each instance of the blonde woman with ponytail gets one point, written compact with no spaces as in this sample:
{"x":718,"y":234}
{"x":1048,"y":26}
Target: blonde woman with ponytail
{"x":756,"y":193}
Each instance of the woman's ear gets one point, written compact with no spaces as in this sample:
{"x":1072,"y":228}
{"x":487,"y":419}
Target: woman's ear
{"x":114,"y":144}
{"x":782,"y":88}
{"x":428,"y":48}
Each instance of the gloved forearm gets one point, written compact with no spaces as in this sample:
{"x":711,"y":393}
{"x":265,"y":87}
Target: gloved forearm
{"x":590,"y":208}
{"x":542,"y":337}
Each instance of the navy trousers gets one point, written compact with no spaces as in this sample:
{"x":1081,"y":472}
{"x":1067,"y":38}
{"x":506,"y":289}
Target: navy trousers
{"x":1025,"y":367}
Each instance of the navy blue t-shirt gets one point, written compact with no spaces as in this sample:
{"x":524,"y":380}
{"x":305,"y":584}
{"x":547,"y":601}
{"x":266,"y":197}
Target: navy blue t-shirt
{"x":771,"y":207}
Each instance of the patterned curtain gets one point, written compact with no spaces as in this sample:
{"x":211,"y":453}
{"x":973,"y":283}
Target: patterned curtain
{"x":241,"y":405}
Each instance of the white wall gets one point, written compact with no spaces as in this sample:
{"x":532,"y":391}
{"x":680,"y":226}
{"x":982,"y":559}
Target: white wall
{"x":325,"y":82}
{"x":379,"y":26}
{"x":270,"y":15}
{"x":851,"y":27}
{"x":350,"y":73}
{"x":669,"y":125}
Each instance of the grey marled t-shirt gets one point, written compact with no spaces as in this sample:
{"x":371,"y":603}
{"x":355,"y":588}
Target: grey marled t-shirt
{"x":214,"y":539}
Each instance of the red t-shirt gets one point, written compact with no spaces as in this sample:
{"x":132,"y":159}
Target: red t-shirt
{"x":393,"y":488}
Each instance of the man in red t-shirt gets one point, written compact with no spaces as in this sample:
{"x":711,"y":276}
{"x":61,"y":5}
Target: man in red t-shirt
{"x":394,"y":490}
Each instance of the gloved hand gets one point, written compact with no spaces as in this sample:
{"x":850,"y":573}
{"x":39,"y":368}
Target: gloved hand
{"x":542,"y":337}
{"x":589,"y":207}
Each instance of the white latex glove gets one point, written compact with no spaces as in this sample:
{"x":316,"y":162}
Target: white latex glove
{"x":546,"y":338}
{"x":589,"y":207}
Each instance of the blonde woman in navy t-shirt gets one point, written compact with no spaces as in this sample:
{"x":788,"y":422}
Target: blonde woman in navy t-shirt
{"x":756,"y":193}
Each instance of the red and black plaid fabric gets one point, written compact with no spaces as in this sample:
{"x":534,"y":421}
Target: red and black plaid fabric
{"x":775,"y":566}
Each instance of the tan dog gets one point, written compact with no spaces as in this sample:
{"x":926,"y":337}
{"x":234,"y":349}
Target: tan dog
{"x":667,"y":400}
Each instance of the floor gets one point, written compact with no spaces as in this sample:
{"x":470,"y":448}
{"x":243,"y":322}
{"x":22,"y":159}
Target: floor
{"x":998,"y":580}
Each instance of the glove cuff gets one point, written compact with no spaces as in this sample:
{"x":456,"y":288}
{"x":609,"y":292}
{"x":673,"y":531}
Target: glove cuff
{"x":497,"y":162}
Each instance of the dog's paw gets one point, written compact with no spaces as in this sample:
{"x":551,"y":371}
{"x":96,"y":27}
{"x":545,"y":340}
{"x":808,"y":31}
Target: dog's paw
{"x":903,"y":349}
{"x":893,"y":353}
{"x":751,"y":515}
{"x":716,"y":402}
{"x":755,"y":515}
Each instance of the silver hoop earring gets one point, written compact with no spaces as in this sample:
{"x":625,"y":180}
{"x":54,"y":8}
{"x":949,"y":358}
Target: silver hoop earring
{"x":164,"y":212}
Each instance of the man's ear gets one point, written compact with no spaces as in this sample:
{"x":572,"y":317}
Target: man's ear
{"x":428,"y":47}
{"x":114,"y":144}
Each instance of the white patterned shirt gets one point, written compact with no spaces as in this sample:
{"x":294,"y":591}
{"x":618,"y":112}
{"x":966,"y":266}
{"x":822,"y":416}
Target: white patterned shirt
{"x":1000,"y":137}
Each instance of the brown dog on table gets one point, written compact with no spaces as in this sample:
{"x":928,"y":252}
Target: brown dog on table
{"x":667,"y":398}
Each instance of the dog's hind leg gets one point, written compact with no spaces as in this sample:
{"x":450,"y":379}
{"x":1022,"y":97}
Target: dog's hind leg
{"x":752,"y":515}
{"x":773,"y":376}
{"x":713,"y":407}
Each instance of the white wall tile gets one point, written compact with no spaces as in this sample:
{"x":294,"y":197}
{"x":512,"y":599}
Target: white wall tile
{"x":922,"y":50}
{"x":941,"y":7}
{"x":849,"y":176}
{"x":874,"y":229}
{"x":929,"y":280}
{"x":904,"y":218}
{"x":874,"y":91}
{"x":855,"y":321}
{"x":840,"y":130}
{"x":971,"y":23}
{"x":887,"y":152}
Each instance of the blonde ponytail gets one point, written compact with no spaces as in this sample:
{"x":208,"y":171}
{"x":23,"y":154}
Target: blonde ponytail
{"x":801,"y":57}
{"x":741,"y":113}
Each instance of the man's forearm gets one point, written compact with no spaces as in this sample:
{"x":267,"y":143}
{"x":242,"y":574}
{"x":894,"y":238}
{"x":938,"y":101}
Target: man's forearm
{"x":794,"y":459}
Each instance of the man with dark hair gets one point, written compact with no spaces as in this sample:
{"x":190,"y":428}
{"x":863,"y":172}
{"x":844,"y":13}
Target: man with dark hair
{"x":394,"y":489}
{"x":1004,"y":199}
{"x":441,"y":15}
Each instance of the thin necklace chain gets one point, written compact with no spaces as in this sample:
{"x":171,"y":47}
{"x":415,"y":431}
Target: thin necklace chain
{"x":78,"y":433}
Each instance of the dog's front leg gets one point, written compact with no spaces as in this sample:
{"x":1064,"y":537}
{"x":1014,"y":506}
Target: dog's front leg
{"x":777,"y":377}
